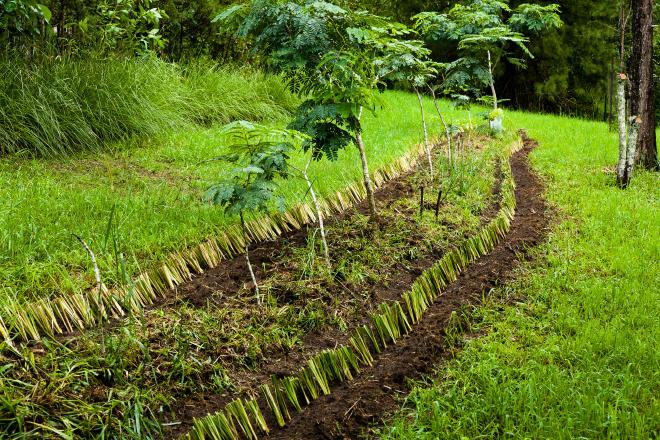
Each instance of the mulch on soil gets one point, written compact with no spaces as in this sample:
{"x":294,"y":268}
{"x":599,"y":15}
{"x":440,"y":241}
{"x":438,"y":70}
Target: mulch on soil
{"x":358,"y":404}
{"x":230,"y":276}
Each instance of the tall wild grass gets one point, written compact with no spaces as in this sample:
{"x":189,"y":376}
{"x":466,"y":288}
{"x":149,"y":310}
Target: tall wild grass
{"x":55,"y":107}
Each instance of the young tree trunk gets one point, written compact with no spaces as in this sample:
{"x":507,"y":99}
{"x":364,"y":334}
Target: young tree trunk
{"x":365,"y":165}
{"x":444,"y":124}
{"x":365,"y":172}
{"x":492,"y":81}
{"x":426,"y":135}
{"x":319,"y":214}
{"x":642,"y":97}
{"x":633,"y":132}
{"x":247,"y":260}
{"x":621,"y":116}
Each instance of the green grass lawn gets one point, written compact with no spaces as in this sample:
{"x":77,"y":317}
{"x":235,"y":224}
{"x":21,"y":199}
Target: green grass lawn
{"x":141,"y":201}
{"x":571,"y":348}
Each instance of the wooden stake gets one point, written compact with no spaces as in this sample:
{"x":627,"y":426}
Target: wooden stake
{"x":437,"y":203}
{"x":421,"y":202}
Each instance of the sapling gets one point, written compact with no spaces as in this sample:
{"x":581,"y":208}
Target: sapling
{"x":407,"y":63}
{"x":260,"y":154}
{"x":444,"y":123}
{"x":341,"y":88}
{"x":327,"y":53}
{"x":317,"y":206}
{"x":482,"y":35}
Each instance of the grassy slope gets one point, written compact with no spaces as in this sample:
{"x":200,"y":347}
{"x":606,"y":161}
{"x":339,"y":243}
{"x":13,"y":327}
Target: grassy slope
{"x":575,"y":353}
{"x":120,"y":380}
{"x":155,"y":193}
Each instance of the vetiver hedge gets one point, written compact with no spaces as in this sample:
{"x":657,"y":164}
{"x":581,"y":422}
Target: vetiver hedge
{"x":244,"y":418}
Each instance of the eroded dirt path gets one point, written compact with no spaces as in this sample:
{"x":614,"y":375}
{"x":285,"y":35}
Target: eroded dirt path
{"x":355,"y":405}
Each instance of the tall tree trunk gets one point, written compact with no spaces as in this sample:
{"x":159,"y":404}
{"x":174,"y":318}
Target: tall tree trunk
{"x":247,"y":260}
{"x":319,"y":214}
{"x":365,"y":165}
{"x":426,"y":134}
{"x":633,"y":132}
{"x":492,"y":81}
{"x":622,"y":103}
{"x":642,"y":97}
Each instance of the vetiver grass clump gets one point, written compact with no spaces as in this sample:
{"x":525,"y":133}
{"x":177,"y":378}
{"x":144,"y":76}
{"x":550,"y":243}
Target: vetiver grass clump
{"x":55,"y":107}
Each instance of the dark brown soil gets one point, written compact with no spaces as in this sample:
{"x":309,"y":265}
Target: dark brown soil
{"x":230,"y":276}
{"x":355,"y":405}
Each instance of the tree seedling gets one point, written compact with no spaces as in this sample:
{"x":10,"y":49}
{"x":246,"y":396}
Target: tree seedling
{"x":407,"y":63}
{"x":260,"y":154}
{"x":483,"y":36}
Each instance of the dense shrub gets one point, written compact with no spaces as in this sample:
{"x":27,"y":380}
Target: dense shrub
{"x":56,"y":107}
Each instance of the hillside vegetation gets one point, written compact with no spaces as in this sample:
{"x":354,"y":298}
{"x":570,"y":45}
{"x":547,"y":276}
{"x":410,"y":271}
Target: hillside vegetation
{"x":143,"y":186}
{"x":56,"y":107}
{"x":569,"y":350}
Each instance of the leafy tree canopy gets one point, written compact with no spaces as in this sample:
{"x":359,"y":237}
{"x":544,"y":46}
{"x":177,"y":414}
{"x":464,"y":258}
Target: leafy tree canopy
{"x":259,"y":154}
{"x":482,"y":28}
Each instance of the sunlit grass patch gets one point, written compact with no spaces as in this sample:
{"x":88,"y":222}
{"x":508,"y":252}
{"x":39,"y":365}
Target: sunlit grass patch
{"x":574,"y":356}
{"x":137,"y":205}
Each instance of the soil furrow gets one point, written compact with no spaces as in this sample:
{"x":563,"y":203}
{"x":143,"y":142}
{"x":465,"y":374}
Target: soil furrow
{"x":355,"y":405}
{"x":227,"y":277}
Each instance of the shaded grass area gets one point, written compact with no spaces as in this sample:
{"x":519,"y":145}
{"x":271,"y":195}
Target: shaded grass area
{"x":120,"y":382}
{"x":136,"y":204}
{"x":570,"y":350}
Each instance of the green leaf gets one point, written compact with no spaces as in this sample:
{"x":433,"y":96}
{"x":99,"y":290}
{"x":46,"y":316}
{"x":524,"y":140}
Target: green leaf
{"x":45,"y":12}
{"x":250,"y":169}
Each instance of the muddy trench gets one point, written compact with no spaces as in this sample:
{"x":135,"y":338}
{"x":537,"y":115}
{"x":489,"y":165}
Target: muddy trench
{"x":363,"y":402}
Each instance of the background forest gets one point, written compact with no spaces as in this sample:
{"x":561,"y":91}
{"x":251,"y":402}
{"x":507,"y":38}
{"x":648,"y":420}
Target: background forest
{"x":572,"y":73}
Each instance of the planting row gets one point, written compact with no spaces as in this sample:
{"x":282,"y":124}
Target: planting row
{"x":74,"y":312}
{"x":244,"y":417}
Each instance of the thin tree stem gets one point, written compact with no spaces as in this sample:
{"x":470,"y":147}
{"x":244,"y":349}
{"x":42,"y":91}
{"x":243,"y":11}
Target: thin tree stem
{"x":365,"y":166}
{"x":444,"y":125}
{"x":319,"y":214}
{"x":426,"y":135}
{"x":97,"y":273}
{"x":247,"y":260}
{"x":492,"y":81}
